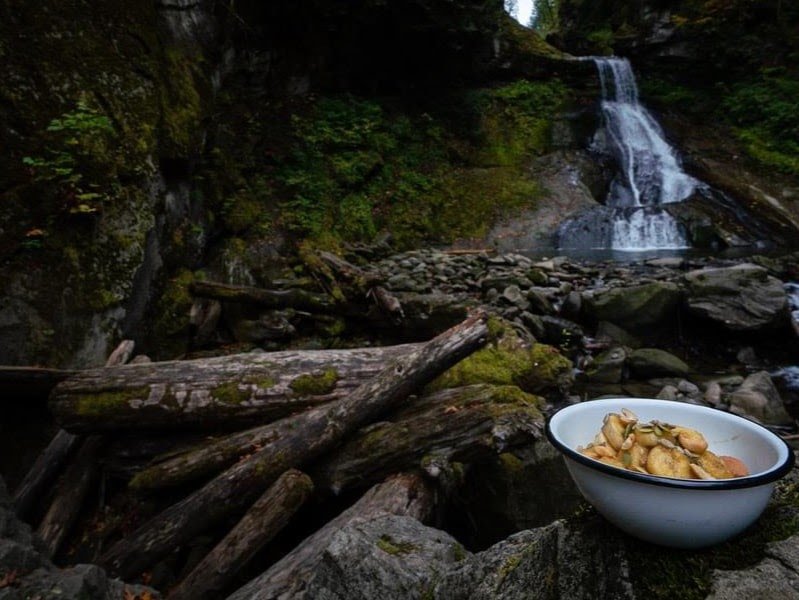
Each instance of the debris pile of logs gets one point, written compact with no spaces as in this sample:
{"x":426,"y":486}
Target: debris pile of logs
{"x":285,"y":427}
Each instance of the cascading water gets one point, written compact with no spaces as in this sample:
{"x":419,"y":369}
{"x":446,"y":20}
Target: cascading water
{"x":649,"y":174}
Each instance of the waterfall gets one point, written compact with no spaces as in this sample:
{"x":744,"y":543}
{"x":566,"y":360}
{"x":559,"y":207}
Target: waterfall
{"x":649,"y":173}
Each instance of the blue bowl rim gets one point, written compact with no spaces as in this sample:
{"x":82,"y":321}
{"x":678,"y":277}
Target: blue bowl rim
{"x":772,"y":475}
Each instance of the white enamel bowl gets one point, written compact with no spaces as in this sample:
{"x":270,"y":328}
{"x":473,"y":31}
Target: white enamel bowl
{"x":680,"y":513}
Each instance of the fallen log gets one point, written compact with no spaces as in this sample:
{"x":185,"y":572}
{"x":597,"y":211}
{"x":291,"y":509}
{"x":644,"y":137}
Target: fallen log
{"x":289,"y":298}
{"x":309,"y":436}
{"x":270,"y":513}
{"x":403,"y":494}
{"x":43,"y":472}
{"x":455,"y":420}
{"x":70,"y":494}
{"x":460,"y":424}
{"x":214,"y":393}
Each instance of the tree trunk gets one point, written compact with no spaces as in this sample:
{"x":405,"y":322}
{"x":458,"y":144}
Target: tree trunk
{"x":263,"y":521}
{"x":43,"y":472}
{"x":214,"y":393}
{"x":313,"y":433}
{"x":460,"y":424}
{"x":404,"y":494}
{"x":453,"y":421}
{"x":69,"y":496}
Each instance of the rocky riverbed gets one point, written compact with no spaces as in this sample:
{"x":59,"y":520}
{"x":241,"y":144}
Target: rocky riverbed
{"x":710,"y":331}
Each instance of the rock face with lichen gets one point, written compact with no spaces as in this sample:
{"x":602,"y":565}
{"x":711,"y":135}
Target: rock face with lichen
{"x":101,"y":108}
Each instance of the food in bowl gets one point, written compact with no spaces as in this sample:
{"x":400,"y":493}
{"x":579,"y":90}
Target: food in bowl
{"x":659,"y":448}
{"x":681,"y":513}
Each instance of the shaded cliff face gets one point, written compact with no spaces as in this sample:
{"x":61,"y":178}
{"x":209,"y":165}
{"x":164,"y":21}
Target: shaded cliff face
{"x":99,"y":102}
{"x":145,"y":142}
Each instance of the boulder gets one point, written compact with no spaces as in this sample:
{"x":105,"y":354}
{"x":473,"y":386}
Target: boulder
{"x":558,"y":561}
{"x":386,"y":557}
{"x":635,"y":308}
{"x":758,"y":397}
{"x":37,"y":577}
{"x":652,"y":362}
{"x":608,"y":366}
{"x":739,"y":298}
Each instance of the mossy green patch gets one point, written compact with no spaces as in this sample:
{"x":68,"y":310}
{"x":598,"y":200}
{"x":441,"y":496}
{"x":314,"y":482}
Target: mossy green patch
{"x":508,"y":363}
{"x":104,"y":403}
{"x":231,"y":393}
{"x":315,"y":384}
{"x":391,"y":546}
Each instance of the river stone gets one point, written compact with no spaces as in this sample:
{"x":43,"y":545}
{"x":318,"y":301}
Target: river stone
{"x":775,"y":577}
{"x":605,"y":330}
{"x":539,"y":302}
{"x":713,"y":393}
{"x":652,"y":362}
{"x":740,"y":298}
{"x":759,"y":398}
{"x":388,"y":556}
{"x":608,"y":366}
{"x":635,"y":308}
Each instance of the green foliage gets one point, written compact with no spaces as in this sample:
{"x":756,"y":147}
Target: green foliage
{"x":343,"y":168}
{"x":545,"y":18}
{"x":516,"y":120}
{"x":673,"y":94}
{"x":78,"y":157}
{"x":766,"y":113}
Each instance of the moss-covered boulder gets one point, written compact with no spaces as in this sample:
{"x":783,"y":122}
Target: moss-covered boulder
{"x":508,"y":361}
{"x":608,"y":366}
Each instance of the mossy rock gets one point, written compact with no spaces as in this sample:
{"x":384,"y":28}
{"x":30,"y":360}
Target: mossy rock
{"x":636,"y":308}
{"x":653,"y":362}
{"x":508,"y":361}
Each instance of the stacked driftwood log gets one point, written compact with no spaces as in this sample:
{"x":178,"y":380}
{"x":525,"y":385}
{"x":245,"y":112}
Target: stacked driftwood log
{"x":286,"y":426}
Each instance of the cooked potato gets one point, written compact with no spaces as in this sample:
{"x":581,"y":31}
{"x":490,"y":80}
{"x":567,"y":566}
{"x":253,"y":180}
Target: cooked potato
{"x":658,"y":448}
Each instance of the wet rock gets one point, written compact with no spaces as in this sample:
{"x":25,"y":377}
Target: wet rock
{"x":607,"y":331}
{"x":652,"y":362}
{"x":608,"y":367}
{"x":514,"y":295}
{"x":539,"y":303}
{"x":635,"y":308}
{"x":740,"y":298}
{"x":669,"y":392}
{"x":713,"y":393}
{"x":758,"y":397}
{"x":571,"y":306}
{"x":562,"y":332}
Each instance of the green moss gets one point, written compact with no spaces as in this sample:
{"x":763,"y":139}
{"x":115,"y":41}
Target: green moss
{"x":511,"y":463}
{"x":508,"y":363}
{"x":105,"y":403}
{"x":181,"y":103}
{"x":391,"y":546}
{"x":315,"y":384}
{"x":509,"y":566}
{"x":459,"y":552}
{"x":230,"y":393}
